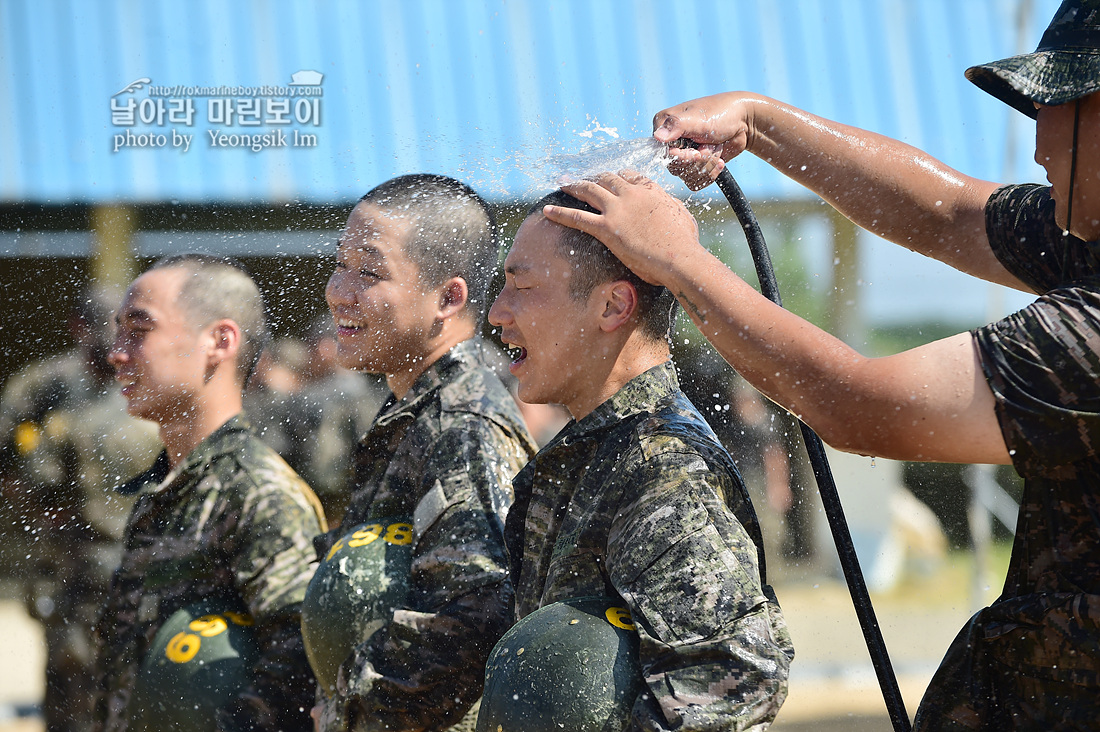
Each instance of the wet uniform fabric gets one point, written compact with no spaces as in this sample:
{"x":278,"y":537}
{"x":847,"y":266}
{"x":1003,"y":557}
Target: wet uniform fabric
{"x":1032,"y":659}
{"x":231,"y":521}
{"x":67,"y":442}
{"x":640,"y":501}
{"x":443,"y":456}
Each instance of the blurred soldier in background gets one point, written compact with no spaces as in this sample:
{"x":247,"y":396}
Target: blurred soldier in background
{"x":66,"y":441}
{"x":267,"y":395}
{"x":312,"y":412}
{"x":766,"y":444}
{"x":333,"y":408}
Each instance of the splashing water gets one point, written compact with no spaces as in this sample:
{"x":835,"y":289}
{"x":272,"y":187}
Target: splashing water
{"x":643,"y":154}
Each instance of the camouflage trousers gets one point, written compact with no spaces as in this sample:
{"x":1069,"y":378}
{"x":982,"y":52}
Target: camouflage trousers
{"x":1030,"y":662}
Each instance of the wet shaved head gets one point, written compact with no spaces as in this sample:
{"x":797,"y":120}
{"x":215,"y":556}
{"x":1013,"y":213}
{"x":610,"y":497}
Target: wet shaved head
{"x":220,"y":287}
{"x":594,"y":264}
{"x":453,"y":232}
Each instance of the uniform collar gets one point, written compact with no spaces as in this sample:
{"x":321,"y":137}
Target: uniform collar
{"x":462,"y":356}
{"x":160,"y":475}
{"x":641,"y":394}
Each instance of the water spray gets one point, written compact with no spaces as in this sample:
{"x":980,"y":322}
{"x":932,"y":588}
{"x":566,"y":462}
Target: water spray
{"x":830,"y":499}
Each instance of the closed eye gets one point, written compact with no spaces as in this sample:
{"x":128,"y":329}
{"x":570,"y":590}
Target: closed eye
{"x":363,"y":272}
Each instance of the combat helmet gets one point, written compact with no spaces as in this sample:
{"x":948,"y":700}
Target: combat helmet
{"x":354,"y":592}
{"x":568,"y":667}
{"x":1065,"y":66}
{"x":200,"y":659}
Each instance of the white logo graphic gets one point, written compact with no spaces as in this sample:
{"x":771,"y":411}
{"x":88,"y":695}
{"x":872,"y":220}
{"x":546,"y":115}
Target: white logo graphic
{"x":253,"y":118}
{"x":306,"y":78}
{"x":137,"y":84}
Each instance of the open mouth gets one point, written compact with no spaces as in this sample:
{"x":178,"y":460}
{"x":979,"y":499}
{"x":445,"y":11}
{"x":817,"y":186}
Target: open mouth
{"x":344,"y":326}
{"x":518,"y":354}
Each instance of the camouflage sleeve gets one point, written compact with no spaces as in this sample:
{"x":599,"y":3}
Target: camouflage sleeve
{"x":1026,"y":239}
{"x":714,"y":651}
{"x":1041,"y":363}
{"x":425,"y":669}
{"x":272,"y":565}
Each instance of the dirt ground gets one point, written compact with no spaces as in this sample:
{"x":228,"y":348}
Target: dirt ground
{"x":832,"y":687}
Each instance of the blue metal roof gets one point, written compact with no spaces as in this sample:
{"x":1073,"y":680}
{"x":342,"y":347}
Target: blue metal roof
{"x":477,"y":90}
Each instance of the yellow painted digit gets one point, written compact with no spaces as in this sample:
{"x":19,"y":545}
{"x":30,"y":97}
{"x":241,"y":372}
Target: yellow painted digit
{"x":619,"y":617}
{"x":335,"y":548}
{"x":183,"y":647}
{"x":399,"y":534}
{"x":365,"y":535}
{"x":239,"y":618}
{"x":208,"y":626}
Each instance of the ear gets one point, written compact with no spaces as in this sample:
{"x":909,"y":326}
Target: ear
{"x":620,"y":301}
{"x":452,"y":298}
{"x":225,"y":342}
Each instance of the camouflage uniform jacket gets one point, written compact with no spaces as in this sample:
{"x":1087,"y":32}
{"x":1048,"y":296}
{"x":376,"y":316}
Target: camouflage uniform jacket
{"x":1032,"y":659}
{"x":442,"y":457}
{"x":234,"y":521}
{"x":639,"y":500}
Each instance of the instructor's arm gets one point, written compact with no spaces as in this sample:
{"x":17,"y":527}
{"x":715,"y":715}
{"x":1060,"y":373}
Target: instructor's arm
{"x":884,"y":186}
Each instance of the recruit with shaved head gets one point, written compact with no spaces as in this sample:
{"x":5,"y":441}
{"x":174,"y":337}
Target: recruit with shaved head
{"x":635,"y":500}
{"x":219,"y":543}
{"x":412,"y":589}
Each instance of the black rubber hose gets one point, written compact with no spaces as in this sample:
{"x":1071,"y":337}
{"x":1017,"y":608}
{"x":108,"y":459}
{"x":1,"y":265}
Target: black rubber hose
{"x":830,"y":499}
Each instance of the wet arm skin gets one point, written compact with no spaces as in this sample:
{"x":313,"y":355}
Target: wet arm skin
{"x":930,"y":403}
{"x":884,"y":186}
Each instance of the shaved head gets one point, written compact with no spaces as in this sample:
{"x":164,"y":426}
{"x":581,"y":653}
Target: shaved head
{"x":219,"y":287}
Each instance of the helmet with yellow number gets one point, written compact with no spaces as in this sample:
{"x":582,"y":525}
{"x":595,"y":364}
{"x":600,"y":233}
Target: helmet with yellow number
{"x":568,"y":667}
{"x":200,"y":658}
{"x":354,"y":592}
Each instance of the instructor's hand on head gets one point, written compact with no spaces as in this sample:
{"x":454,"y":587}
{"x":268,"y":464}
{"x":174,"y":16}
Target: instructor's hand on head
{"x":647,"y":229}
{"x":717,"y":126}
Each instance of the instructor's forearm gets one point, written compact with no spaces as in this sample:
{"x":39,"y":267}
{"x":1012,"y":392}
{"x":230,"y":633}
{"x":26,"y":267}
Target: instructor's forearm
{"x":796,"y":364}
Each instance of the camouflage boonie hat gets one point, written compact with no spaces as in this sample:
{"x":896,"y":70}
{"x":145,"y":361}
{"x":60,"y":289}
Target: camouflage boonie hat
{"x":1065,"y":66}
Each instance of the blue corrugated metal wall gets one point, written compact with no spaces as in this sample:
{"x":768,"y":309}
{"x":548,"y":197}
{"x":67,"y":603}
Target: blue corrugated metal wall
{"x":475,"y":89}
